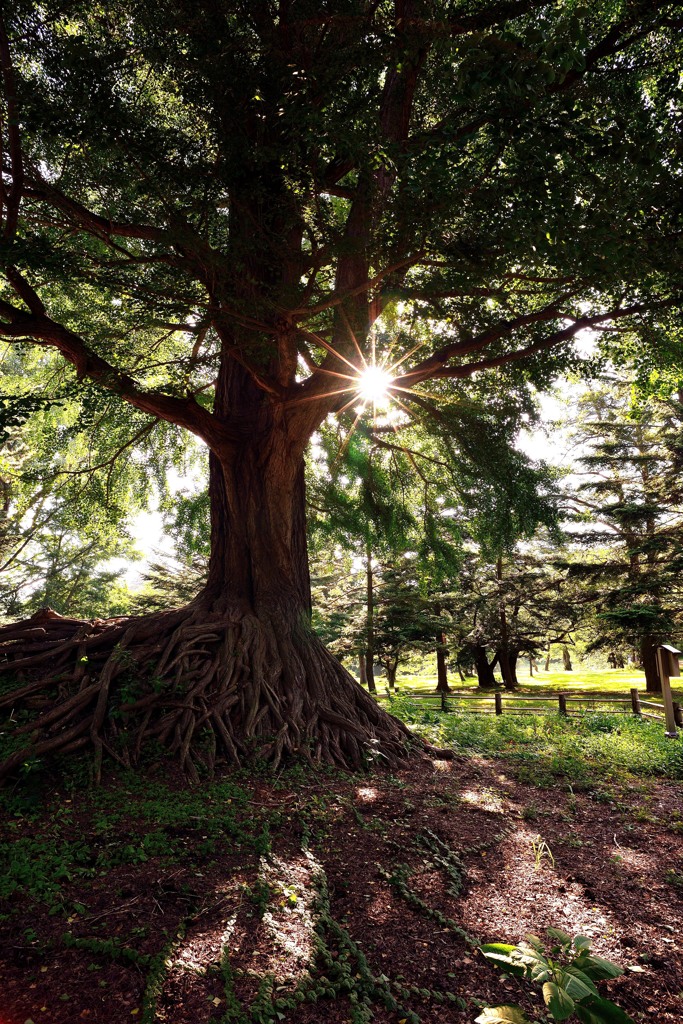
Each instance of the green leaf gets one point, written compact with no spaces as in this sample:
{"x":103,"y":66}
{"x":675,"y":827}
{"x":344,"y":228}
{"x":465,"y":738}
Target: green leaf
{"x":496,"y":947}
{"x":601,"y":1011}
{"x":558,"y":1002}
{"x":506,"y":964}
{"x":538,"y":971}
{"x":500,"y":954}
{"x":559,"y":936}
{"x":576,"y":973}
{"x":581,"y":942}
{"x":576,"y":986}
{"x":597,"y":968}
{"x":502,"y":1015}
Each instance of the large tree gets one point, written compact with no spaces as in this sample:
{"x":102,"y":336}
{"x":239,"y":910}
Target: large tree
{"x":206,"y":208}
{"x":629,"y":537}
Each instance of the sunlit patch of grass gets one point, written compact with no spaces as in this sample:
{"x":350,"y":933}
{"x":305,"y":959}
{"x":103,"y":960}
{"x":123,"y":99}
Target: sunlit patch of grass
{"x":543,"y":748}
{"x":613,"y":681}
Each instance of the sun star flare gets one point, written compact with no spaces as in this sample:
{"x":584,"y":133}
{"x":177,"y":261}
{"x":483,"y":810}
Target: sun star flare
{"x":373,"y":385}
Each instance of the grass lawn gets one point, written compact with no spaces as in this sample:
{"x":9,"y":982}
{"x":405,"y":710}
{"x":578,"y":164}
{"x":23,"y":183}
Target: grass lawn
{"x":617,"y":681}
{"x":582,"y":748}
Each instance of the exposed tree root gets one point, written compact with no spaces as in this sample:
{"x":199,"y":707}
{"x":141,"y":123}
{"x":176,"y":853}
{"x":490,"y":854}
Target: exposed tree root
{"x":203,"y":684}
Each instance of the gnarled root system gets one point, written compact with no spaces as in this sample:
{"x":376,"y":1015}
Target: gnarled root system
{"x":203,"y":684}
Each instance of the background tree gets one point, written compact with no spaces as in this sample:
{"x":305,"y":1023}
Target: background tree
{"x":74,"y":470}
{"x":631,"y":520}
{"x":206,"y":210}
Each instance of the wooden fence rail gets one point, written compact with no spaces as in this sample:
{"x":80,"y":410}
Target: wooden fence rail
{"x":502,"y":702}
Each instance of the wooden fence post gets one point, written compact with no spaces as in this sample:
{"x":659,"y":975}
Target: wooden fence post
{"x":665,"y":666}
{"x":562,"y":701}
{"x":499,"y":703}
{"x":635,"y":701}
{"x":443,"y":701}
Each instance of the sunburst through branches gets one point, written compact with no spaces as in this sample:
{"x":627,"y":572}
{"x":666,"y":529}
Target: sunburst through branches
{"x":373,"y":386}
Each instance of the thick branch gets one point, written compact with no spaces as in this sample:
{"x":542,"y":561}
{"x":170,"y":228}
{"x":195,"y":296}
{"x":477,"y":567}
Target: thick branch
{"x":184,"y":412}
{"x":551,"y":341}
{"x":11,"y":197}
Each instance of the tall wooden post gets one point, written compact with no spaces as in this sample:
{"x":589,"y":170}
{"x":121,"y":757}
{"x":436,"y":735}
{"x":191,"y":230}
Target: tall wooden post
{"x":667,"y":665}
{"x":635,"y":701}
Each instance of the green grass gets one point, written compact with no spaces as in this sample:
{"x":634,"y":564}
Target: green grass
{"x":616,"y":681}
{"x":545,"y":748}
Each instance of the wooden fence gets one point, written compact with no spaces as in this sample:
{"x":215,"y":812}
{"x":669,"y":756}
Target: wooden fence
{"x":505,"y":702}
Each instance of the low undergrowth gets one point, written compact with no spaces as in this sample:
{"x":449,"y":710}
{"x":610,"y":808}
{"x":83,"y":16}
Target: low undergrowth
{"x":253,"y":898}
{"x":138,"y":820}
{"x":545,"y":747}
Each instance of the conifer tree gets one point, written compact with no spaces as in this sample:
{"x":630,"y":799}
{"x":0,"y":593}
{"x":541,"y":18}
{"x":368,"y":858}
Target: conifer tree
{"x":631,"y":520}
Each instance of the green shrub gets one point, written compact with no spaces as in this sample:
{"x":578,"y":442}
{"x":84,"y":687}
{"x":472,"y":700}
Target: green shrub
{"x":567,"y":977}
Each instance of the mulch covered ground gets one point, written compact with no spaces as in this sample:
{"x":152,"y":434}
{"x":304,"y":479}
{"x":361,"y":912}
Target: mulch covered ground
{"x":144,"y":941}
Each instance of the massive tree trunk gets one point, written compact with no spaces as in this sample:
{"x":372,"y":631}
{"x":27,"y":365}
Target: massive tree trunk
{"x":238,"y":672}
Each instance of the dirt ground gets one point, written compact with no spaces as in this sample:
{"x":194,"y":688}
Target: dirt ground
{"x":145,"y":941}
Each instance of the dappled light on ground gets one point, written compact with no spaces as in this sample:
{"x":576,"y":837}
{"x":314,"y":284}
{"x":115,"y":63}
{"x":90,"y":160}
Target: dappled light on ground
{"x":301,"y":894}
{"x":366,"y":794}
{"x":487,"y":799}
{"x":634,"y":860}
{"x":203,"y":947}
{"x":289,"y":921}
{"x":521,"y":889}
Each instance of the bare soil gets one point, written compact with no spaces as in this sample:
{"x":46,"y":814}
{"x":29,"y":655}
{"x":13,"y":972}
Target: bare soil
{"x":603,"y":863}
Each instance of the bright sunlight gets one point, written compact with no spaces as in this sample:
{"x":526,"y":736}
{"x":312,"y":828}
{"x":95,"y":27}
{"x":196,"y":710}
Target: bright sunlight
{"x":373,"y":384}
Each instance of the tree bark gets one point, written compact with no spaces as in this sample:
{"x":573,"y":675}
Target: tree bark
{"x":391,"y":666}
{"x":370,"y":622}
{"x":362,"y":674}
{"x":442,"y":685}
{"x":485,"y":676}
{"x":566,"y":659}
{"x":506,"y":670}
